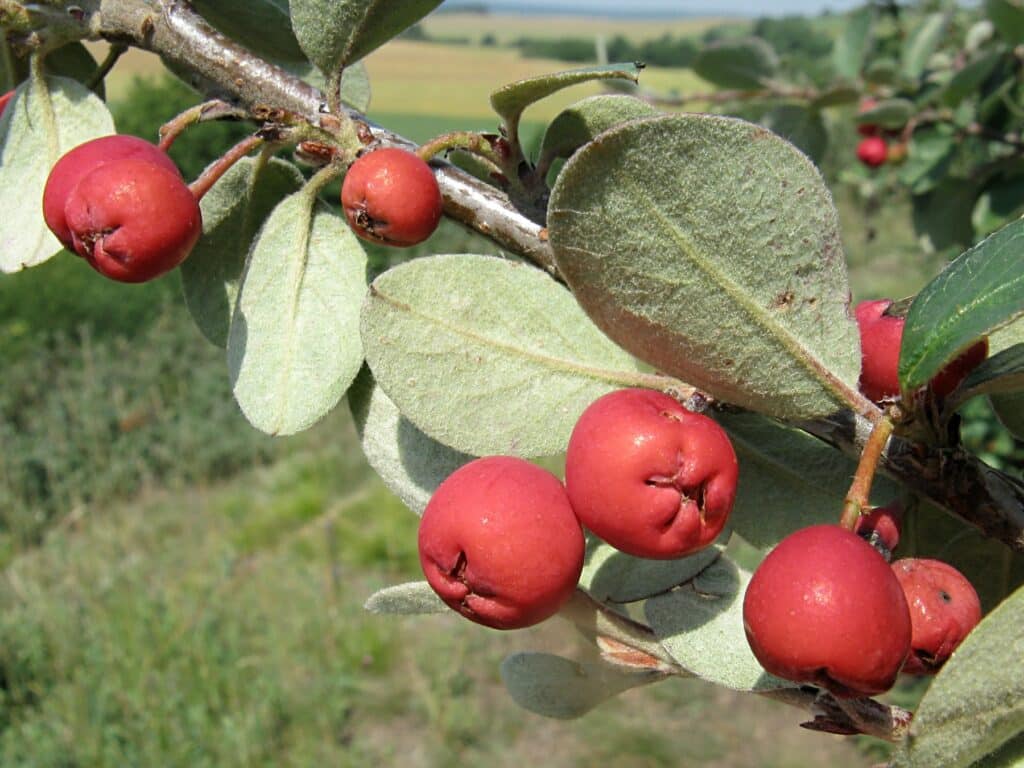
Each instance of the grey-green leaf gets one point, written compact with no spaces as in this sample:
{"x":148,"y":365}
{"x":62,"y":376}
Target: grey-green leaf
{"x":557,"y":687}
{"x":979,"y":292}
{"x":976,"y":703}
{"x":41,"y":123}
{"x":233,"y":211}
{"x":711,"y":250}
{"x":580,"y":123}
{"x":788,"y":480}
{"x":801,"y":126}
{"x":922,"y":43}
{"x":355,"y":82}
{"x":701,"y":627}
{"x":745,"y":64}
{"x":409,"y":599}
{"x":1008,"y":18}
{"x":293,"y":347}
{"x":851,"y":46}
{"x":409,"y":462}
{"x":336,"y":33}
{"x":264,"y":26}
{"x":889,"y":113}
{"x":510,"y":100}
{"x":487,"y":356}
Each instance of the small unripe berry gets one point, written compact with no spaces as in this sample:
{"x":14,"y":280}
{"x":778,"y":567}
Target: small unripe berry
{"x":825,"y":608}
{"x":75,"y":164}
{"x":872,"y":151}
{"x":390,"y":196}
{"x":500,"y":544}
{"x":944,"y":608}
{"x":132,"y":220}
{"x":4,"y":99}
{"x":648,"y":476}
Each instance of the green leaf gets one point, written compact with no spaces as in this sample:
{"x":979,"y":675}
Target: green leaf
{"x":788,"y":480}
{"x":355,"y":82}
{"x":837,"y":96}
{"x":1008,"y":18}
{"x":72,"y":61}
{"x":264,"y":26}
{"x":929,"y":157}
{"x":801,"y":126}
{"x":557,"y":687}
{"x":976,"y":703}
{"x":942,"y":217}
{"x":409,"y":599}
{"x":852,"y":45}
{"x":615,"y":577}
{"x":336,"y":33}
{"x":1001,"y":201}
{"x":41,"y":123}
{"x":233,"y":211}
{"x":580,"y":123}
{"x":701,"y":627}
{"x":1001,"y":373}
{"x":968,"y":80}
{"x":747,"y":300}
{"x":745,"y":64}
{"x":883,"y":70}
{"x":922,"y":43}
{"x":979,"y":292}
{"x":409,"y":462}
{"x":510,"y":100}
{"x":488,"y":356}
{"x":888,"y":113}
{"x":293,"y":347}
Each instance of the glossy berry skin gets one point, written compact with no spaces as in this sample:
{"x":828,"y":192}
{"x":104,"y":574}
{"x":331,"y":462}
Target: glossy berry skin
{"x":132,"y":220}
{"x":4,"y":100}
{"x":944,"y":608}
{"x":648,"y":476}
{"x":75,"y":164}
{"x":500,"y":544}
{"x":880,"y":339}
{"x":390,"y":196}
{"x":881,"y":528}
{"x":825,"y":608}
{"x":872,"y":151}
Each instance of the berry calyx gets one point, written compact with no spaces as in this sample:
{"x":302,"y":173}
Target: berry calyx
{"x":824,"y":608}
{"x":70,"y":169}
{"x":872,"y":151}
{"x":132,"y":220}
{"x":390,"y":196}
{"x":500,"y":544}
{"x":944,"y":608}
{"x":648,"y":476}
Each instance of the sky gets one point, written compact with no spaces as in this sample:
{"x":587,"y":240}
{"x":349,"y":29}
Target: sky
{"x":668,"y":7}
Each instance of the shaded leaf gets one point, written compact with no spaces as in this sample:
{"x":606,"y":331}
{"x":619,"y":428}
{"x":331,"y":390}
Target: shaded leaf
{"x":1001,"y":373}
{"x":837,"y":96}
{"x":942,"y":217}
{"x":888,"y":113}
{"x":487,"y":356}
{"x":746,"y":300}
{"x":852,"y":45}
{"x":970,"y":78}
{"x":801,"y":126}
{"x":1008,"y":18}
{"x":409,"y":462}
{"x":355,"y":83}
{"x":999,"y":202}
{"x":746,"y":64}
{"x":293,"y":347}
{"x":233,"y":210}
{"x":922,"y":43}
{"x":264,"y":26}
{"x":41,"y":123}
{"x":580,"y":123}
{"x":1009,"y":408}
{"x":979,"y":292}
{"x":411,"y":598}
{"x":929,"y":157}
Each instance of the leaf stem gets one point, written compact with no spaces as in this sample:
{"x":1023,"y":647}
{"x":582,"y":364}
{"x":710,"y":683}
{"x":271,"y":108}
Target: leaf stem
{"x":856,"y":502}
{"x":115,"y":53}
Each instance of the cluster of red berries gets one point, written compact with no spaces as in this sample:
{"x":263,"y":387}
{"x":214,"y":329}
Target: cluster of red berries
{"x":874,"y":150}
{"x":501,"y":540}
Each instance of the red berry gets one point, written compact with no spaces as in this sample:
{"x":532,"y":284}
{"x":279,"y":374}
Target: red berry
{"x":881,"y":528}
{"x":872,"y":151}
{"x":500,"y":544}
{"x":132,"y":220}
{"x":944,"y":608}
{"x":880,"y":339}
{"x":390,"y":196}
{"x":824,"y":608}
{"x":4,"y":99}
{"x":648,"y":476}
{"x":867,"y":129}
{"x":81,"y":160}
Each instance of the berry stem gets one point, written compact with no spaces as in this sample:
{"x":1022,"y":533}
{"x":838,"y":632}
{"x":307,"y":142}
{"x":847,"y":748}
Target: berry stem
{"x":474,"y":143}
{"x":220,"y":166}
{"x":208,"y":110}
{"x":856,"y":502}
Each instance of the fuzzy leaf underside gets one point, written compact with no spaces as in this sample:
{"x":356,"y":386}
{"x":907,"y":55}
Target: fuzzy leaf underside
{"x":40,"y":124}
{"x":510,"y":100}
{"x":711,"y":251}
{"x":581,"y":122}
{"x":410,"y":463}
{"x":410,"y":599}
{"x":487,"y":356}
{"x":293,"y":346}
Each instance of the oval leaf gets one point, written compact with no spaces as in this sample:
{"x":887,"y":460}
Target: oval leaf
{"x":929,"y":157}
{"x":970,"y":78}
{"x":336,"y":33}
{"x":979,"y":292}
{"x":801,"y":126}
{"x":264,"y":26}
{"x":233,"y":211}
{"x":1008,"y":18}
{"x":976,"y":703}
{"x":889,"y":113}
{"x":488,"y":356}
{"x":742,"y":64}
{"x":701,"y":627}
{"x":410,"y":599}
{"x":747,"y":300}
{"x":851,"y":47}
{"x":293,"y":347}
{"x":509,"y":101}
{"x":557,"y":687}
{"x":922,"y":43}
{"x":41,"y":123}
{"x":409,"y":462}
{"x":580,"y":123}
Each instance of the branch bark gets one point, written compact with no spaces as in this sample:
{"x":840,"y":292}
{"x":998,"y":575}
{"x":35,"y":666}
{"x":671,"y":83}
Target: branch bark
{"x":219,"y":67}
